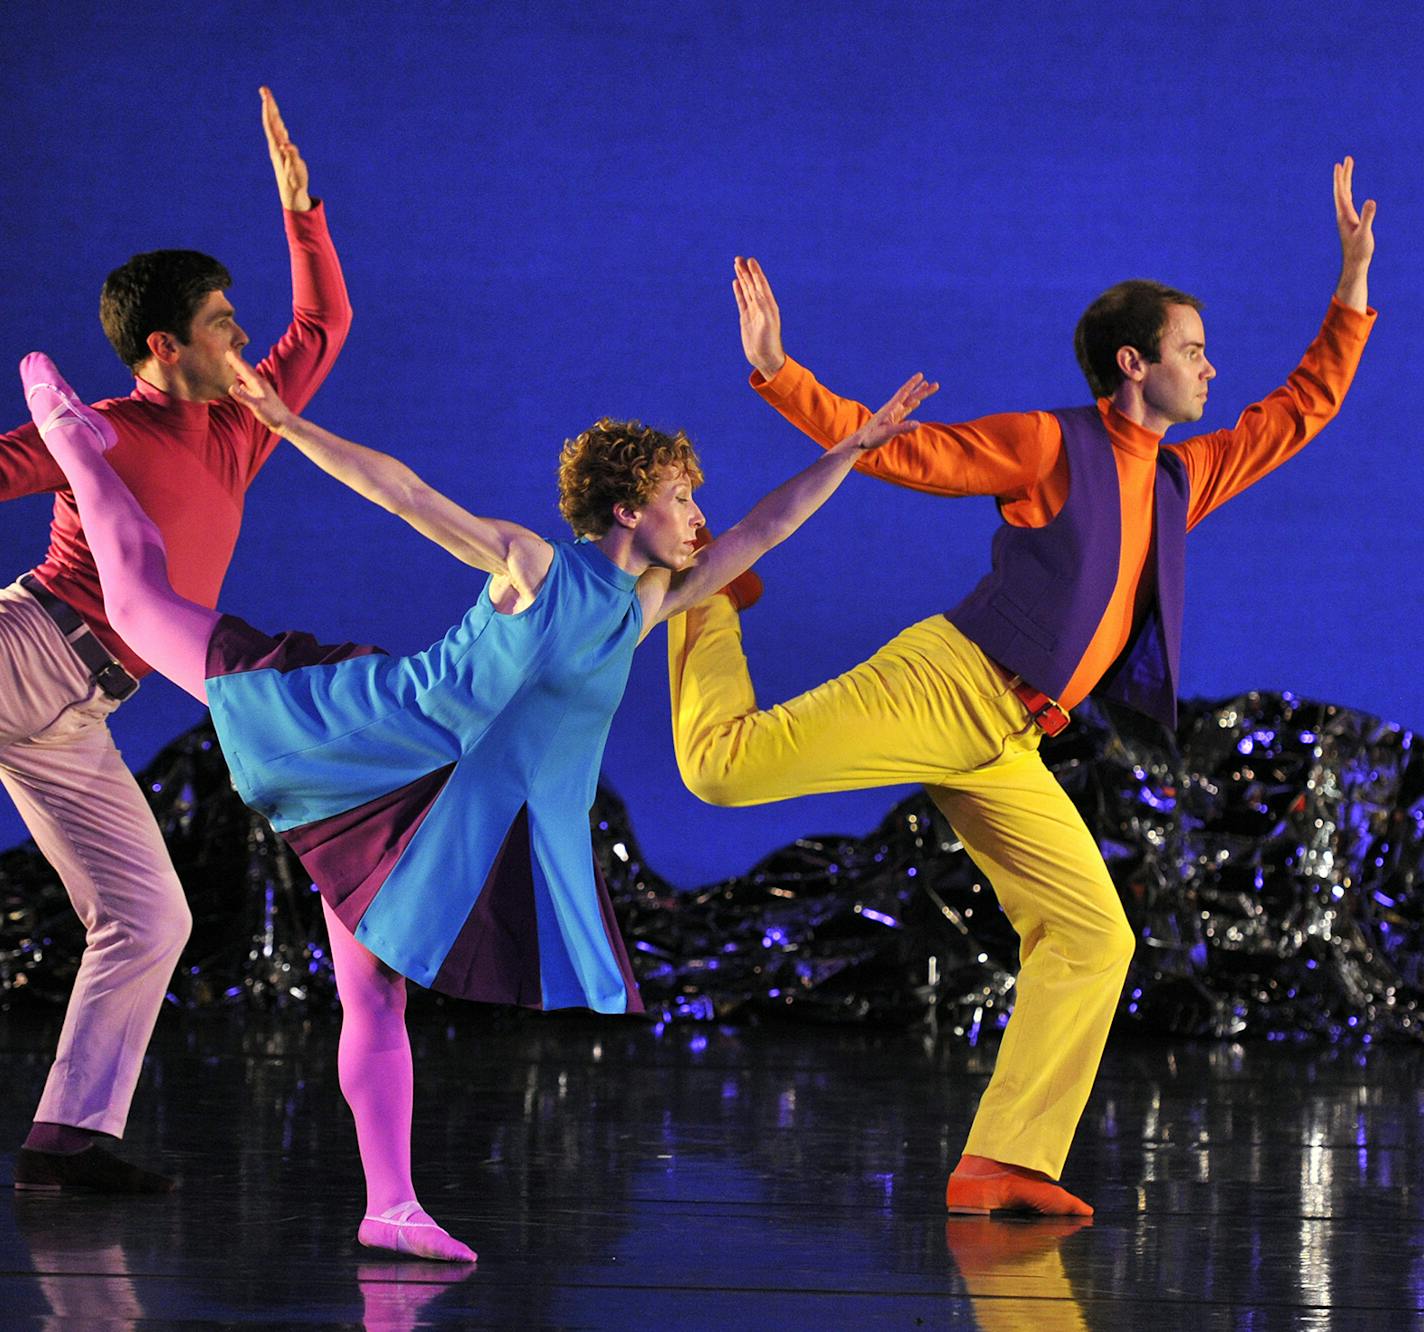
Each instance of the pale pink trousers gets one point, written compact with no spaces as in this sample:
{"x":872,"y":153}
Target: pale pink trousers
{"x":87,"y":815}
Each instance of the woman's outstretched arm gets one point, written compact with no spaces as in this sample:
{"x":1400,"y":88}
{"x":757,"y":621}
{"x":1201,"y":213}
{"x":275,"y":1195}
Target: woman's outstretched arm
{"x":502,"y":548}
{"x":780,"y":513}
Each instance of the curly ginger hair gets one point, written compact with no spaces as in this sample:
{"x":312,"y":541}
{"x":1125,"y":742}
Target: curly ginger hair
{"x":618,"y":462}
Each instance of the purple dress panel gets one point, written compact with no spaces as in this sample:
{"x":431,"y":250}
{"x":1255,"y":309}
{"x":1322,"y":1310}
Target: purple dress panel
{"x":350,"y":854}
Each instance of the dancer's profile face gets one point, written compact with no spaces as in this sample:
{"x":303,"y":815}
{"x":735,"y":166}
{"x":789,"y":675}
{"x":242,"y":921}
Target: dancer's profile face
{"x":201,"y":360}
{"x":668,"y":522}
{"x":1175,"y":386}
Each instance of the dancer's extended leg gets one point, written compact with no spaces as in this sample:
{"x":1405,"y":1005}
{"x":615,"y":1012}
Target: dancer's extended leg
{"x":168,"y":631}
{"x":374,"y":1065}
{"x":925,"y":706}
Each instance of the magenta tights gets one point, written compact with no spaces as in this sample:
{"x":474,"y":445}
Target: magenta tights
{"x":171,"y":633}
{"x":374,"y":1065}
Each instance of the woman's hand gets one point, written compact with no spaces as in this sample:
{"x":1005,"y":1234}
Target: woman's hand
{"x":257,"y":395}
{"x":890,"y":420}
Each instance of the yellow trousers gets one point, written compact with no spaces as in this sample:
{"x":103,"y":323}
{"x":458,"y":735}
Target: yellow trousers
{"x":930,"y":707}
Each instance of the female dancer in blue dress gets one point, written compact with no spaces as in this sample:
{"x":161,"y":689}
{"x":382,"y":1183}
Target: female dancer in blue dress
{"x":440,"y":800}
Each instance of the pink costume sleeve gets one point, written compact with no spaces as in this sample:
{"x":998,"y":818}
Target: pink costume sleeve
{"x":321,"y":319}
{"x":26,"y":467}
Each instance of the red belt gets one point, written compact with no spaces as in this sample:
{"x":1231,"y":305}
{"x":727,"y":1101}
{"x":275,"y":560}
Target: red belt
{"x":1048,"y":716}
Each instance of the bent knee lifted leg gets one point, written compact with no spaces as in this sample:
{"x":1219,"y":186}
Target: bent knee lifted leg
{"x":708,"y":779}
{"x":732,"y":764}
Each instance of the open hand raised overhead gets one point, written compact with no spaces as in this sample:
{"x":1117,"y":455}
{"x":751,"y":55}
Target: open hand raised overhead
{"x":1357,"y":238}
{"x":760,"y":317}
{"x":287,"y":162}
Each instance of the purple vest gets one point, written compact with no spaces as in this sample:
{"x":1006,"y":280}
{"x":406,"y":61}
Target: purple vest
{"x":1038,"y":608}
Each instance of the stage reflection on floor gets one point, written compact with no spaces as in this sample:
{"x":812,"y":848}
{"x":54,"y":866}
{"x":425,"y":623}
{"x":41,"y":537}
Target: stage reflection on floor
{"x":614,"y":1174}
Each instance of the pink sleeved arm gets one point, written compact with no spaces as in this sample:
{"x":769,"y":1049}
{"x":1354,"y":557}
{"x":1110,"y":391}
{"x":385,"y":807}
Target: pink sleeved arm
{"x":321,"y":319}
{"x":25,"y":465}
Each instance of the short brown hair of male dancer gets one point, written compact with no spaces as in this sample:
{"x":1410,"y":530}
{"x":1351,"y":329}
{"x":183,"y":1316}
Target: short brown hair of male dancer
{"x":1130,"y":314}
{"x":159,"y":291}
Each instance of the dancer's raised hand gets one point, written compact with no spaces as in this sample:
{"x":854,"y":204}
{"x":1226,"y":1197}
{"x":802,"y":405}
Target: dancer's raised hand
{"x":256,"y":393}
{"x":760,"y":317}
{"x":1357,"y":238}
{"x":287,"y":162}
{"x":890,"y":420}
{"x":776,"y":516}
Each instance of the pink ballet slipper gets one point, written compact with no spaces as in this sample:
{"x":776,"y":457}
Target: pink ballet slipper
{"x":407,"y":1228}
{"x":53,"y":403}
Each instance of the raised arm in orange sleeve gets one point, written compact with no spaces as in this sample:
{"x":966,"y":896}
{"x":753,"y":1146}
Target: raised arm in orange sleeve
{"x":1222,"y":464}
{"x":1006,"y":455}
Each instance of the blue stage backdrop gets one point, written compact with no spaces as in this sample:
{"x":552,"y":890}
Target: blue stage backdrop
{"x":537,"y":205}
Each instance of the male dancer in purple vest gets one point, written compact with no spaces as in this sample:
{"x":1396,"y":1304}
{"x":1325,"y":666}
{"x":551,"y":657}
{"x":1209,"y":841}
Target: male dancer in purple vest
{"x":1085,"y":593}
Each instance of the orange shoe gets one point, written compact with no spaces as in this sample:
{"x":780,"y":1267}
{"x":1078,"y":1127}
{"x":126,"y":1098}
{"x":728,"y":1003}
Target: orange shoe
{"x":745,"y":589}
{"x":1008,"y":1188}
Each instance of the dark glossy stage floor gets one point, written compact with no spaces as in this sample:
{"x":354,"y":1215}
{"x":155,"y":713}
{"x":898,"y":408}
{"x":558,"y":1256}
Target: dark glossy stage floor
{"x":613,"y":1175}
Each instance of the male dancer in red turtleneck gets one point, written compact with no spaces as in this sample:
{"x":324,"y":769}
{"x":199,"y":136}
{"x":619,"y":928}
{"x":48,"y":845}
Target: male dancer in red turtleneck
{"x":188,"y":452}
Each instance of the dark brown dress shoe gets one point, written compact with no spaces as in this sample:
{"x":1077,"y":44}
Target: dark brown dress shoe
{"x":92,"y":1170}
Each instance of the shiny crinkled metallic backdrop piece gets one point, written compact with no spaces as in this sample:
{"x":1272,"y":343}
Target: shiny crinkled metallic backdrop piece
{"x":1268,"y":856}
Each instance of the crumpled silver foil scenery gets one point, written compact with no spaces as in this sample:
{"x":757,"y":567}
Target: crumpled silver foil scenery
{"x":1269,"y":856}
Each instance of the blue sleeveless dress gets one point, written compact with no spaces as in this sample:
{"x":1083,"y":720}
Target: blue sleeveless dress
{"x":440,"y":801}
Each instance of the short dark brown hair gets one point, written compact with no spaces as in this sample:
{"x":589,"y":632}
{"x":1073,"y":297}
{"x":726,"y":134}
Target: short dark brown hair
{"x":156,"y":292}
{"x":1131,"y":314}
{"x":617,"y":462}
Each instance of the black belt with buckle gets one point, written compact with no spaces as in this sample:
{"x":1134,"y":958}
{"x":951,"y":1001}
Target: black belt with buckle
{"x":104,"y":671}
